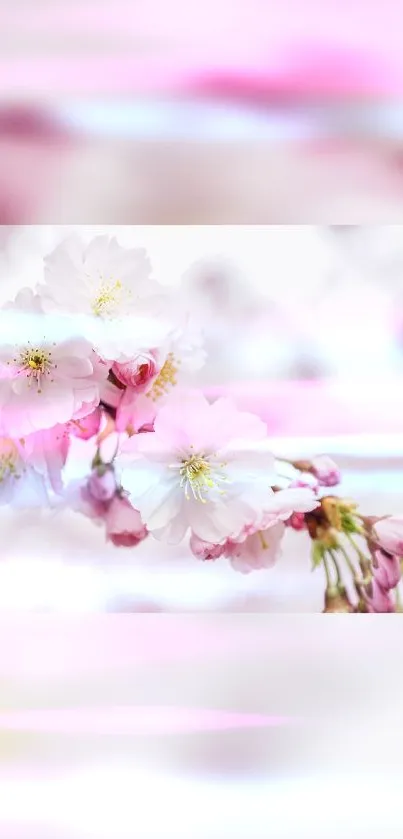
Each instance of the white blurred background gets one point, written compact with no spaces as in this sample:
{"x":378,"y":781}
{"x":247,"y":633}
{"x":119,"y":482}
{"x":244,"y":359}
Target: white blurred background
{"x":167,"y":727}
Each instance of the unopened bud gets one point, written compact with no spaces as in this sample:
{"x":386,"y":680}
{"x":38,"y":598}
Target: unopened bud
{"x":102,"y":484}
{"x":297,"y":521}
{"x":326,"y":471}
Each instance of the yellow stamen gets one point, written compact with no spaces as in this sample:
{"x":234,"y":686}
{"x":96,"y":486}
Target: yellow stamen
{"x":8,"y":460}
{"x":109,"y":296}
{"x":166,"y":378}
{"x":263,"y":542}
{"x":36,"y":363}
{"x":196,"y":476}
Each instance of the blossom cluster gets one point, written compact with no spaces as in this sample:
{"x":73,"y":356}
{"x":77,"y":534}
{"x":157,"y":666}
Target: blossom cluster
{"x":98,"y":350}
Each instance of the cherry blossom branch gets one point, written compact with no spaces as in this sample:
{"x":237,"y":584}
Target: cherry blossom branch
{"x":89,"y":359}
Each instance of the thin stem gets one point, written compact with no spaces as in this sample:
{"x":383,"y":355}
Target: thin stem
{"x":111,"y":461}
{"x":349,"y":564}
{"x":327,"y":572}
{"x":336,"y":567}
{"x":107,"y":431}
{"x":357,"y":582}
{"x":97,"y":459}
{"x":398,"y":599}
{"x":363,"y":560}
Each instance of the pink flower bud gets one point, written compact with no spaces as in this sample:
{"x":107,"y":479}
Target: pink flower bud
{"x":138,"y":372}
{"x":378,"y":599}
{"x":326,"y":471}
{"x":102,"y":484}
{"x":297,"y":521}
{"x":205,"y":550}
{"x":124,"y":527}
{"x":389,"y":532}
{"x":386,"y":568}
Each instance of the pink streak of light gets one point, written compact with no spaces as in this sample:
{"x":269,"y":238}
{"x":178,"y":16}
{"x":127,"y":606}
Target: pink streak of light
{"x":333,"y":47}
{"x":313,"y":408}
{"x":302,"y":73}
{"x":130,"y":75}
{"x":133,"y":720}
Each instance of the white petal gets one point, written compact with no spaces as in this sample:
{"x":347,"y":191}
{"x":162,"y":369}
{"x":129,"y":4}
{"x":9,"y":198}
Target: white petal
{"x":160,"y":504}
{"x":173,"y":532}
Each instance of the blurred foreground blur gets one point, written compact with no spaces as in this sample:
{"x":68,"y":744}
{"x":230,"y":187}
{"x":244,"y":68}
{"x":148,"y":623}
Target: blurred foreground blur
{"x":165,"y":727}
{"x":229,"y":112}
{"x":190,"y":162}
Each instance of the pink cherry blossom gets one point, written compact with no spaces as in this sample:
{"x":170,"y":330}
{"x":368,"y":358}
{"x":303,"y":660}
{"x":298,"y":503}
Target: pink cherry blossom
{"x":204,"y":550}
{"x":102,"y":484}
{"x":297,"y":521}
{"x":283,"y":503}
{"x":98,"y":498}
{"x":99,"y":277}
{"x":145,"y":429}
{"x":47,"y":453}
{"x":80,"y":498}
{"x":86,"y":427}
{"x":111,"y":290}
{"x":258,"y":546}
{"x":139,"y":372}
{"x":386,"y":569}
{"x":124,"y":526}
{"x":389,"y":532}
{"x":20,"y":483}
{"x":258,"y":551}
{"x":326,"y":471}
{"x":53,"y":374}
{"x":379,"y":599}
{"x":205,"y":467}
{"x":182,"y":352}
{"x":135,"y":410}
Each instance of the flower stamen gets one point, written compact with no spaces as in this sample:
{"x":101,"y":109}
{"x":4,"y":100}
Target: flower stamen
{"x":198,"y":478}
{"x":36,"y":364}
{"x":263,"y":542}
{"x":8,"y":460}
{"x":108,"y":298}
{"x":166,"y":378}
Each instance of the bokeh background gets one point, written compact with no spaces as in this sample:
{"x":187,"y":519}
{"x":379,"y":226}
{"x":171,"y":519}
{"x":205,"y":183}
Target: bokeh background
{"x":235,"y":111}
{"x":167,"y":727}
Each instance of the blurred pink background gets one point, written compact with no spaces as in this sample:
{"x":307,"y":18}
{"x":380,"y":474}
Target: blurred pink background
{"x":306,"y":46}
{"x":189,"y":159}
{"x":235,"y":112}
{"x":168,"y":726}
